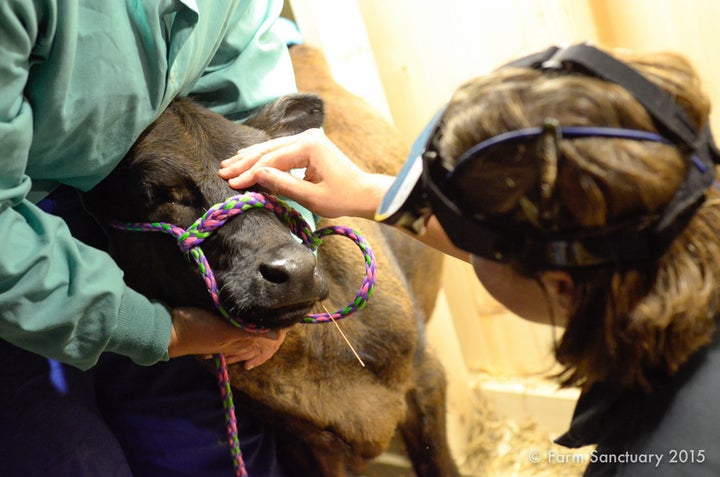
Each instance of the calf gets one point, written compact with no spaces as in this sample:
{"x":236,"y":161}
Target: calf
{"x":333,"y":415}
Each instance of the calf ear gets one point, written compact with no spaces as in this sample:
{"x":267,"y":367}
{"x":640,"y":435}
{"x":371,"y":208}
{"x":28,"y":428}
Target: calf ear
{"x":288,"y":115}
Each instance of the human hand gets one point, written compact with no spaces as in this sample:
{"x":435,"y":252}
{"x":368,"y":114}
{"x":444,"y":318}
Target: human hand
{"x":199,"y":332}
{"x":333,"y":185}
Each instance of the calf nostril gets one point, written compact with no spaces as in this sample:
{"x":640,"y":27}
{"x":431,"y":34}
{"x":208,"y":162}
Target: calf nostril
{"x":277,"y":271}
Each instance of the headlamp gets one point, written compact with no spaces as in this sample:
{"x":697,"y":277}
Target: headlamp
{"x":425,"y":186}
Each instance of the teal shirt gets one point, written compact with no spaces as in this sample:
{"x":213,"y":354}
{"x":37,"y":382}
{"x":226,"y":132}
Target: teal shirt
{"x":79,"y":82}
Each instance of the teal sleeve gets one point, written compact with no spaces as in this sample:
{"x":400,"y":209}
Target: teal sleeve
{"x":65,"y":300}
{"x":146,"y":338}
{"x":58,"y":297}
{"x":251,"y":66}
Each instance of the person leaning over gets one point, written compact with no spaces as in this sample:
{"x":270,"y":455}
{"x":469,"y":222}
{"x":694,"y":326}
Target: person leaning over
{"x":581,"y":187}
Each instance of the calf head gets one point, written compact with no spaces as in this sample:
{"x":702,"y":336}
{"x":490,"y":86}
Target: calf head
{"x":264,"y":275}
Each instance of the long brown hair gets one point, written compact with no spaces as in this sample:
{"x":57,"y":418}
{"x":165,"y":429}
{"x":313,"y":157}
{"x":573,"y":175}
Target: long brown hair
{"x":631,"y":324}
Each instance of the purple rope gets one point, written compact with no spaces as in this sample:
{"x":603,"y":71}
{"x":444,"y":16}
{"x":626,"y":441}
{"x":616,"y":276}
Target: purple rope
{"x":189,"y":241}
{"x":230,"y":418}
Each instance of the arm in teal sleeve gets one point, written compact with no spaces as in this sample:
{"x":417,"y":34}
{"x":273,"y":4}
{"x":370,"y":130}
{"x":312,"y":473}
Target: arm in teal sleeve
{"x":65,"y":300}
{"x":58,"y":297}
{"x":252,"y":65}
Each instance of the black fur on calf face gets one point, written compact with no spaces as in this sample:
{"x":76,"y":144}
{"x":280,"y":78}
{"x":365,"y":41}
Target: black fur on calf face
{"x":265,"y":276}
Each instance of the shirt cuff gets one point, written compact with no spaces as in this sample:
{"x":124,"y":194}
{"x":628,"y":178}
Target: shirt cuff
{"x":143,"y":330}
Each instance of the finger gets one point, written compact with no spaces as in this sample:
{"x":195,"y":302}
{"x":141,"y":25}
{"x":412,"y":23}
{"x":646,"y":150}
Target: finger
{"x":258,"y":360}
{"x":295,"y":155}
{"x":286,"y":185}
{"x":274,"y":339}
{"x":236,"y":355}
{"x":255,"y":356}
{"x":246,"y":158}
{"x":231,"y":358}
{"x":239,"y":176}
{"x":234,"y":359}
{"x":248,"y":345}
{"x":290,"y":152}
{"x":237,"y":166}
{"x":256,"y":150}
{"x":249,"y":177}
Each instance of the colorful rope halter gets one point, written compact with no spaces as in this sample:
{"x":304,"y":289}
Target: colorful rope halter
{"x":189,"y":241}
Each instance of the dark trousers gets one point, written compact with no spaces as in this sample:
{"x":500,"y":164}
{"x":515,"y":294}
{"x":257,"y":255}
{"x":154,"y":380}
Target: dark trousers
{"x":118,"y":419}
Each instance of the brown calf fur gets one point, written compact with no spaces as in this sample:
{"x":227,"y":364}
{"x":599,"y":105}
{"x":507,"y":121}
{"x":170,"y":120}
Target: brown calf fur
{"x":333,"y":416}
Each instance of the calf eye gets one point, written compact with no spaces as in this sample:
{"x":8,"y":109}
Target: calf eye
{"x":173,"y":195}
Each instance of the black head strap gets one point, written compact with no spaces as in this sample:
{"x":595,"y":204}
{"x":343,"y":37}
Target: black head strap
{"x":669,"y":118}
{"x":644,"y":238}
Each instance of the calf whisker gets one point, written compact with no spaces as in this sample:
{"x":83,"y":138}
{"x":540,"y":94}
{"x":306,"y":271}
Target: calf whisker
{"x":343,"y":335}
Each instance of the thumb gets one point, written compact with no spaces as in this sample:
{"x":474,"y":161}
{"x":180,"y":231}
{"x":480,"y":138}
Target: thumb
{"x":281,"y":183}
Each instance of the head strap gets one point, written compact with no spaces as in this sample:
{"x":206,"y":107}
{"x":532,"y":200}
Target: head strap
{"x":670,"y":119}
{"x":644,"y":238}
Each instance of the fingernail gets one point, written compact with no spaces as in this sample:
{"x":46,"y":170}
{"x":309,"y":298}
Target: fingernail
{"x":273,"y":334}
